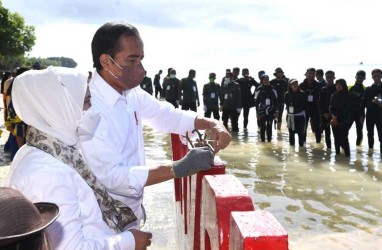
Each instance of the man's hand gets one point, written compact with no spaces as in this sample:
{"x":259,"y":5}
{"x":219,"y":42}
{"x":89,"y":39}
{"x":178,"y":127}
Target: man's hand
{"x":142,"y":239}
{"x":334,"y":122}
{"x":218,"y":133}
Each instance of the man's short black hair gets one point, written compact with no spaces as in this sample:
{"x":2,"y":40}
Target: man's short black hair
{"x":361,"y":73}
{"x":106,"y":40}
{"x":376,"y":71}
{"x":320,"y":72}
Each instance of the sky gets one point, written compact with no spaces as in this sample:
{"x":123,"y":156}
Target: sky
{"x":212,"y":35}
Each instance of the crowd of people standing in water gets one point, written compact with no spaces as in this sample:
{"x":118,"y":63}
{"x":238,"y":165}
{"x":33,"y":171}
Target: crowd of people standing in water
{"x":330,"y":105}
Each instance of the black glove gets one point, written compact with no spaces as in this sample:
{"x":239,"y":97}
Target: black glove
{"x":196,"y":160}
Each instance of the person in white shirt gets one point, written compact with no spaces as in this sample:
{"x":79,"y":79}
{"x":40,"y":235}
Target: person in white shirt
{"x":116,"y":152}
{"x":50,"y":167}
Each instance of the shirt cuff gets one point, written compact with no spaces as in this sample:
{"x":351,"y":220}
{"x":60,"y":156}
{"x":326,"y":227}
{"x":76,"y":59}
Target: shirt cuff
{"x":126,"y":240}
{"x":187,"y":123}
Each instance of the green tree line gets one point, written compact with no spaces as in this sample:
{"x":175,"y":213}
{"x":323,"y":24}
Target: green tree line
{"x":16,"y":39}
{"x":50,"y":61}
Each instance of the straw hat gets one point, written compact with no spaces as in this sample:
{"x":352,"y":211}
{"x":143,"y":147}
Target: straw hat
{"x":21,"y":218}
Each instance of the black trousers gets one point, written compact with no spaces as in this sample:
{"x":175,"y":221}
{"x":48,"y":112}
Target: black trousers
{"x":341,"y":139}
{"x":314,"y":117}
{"x":173,"y":102}
{"x":325,"y":127}
{"x":373,"y":119}
{"x":208,"y":112}
{"x":356,"y":117}
{"x":245,"y":116}
{"x":280,"y":106}
{"x":233,"y":115}
{"x":299,"y":129}
{"x":158,"y":90}
{"x":189,"y":106}
{"x":265,"y":123}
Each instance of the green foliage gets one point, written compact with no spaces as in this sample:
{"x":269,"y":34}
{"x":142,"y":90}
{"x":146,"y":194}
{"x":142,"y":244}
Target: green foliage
{"x":50,"y":61}
{"x":16,"y":38}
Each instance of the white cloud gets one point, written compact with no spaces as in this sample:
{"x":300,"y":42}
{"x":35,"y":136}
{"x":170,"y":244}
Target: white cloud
{"x":212,"y":35}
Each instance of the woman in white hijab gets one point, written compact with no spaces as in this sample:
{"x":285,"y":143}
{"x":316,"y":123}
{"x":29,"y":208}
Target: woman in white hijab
{"x":50,"y":167}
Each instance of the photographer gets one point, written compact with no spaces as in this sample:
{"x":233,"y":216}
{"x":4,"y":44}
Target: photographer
{"x":370,"y":101}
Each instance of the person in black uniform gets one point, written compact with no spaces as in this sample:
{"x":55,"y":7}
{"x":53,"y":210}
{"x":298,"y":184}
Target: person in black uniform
{"x":312,"y":89}
{"x":247,"y":96}
{"x":158,"y":87}
{"x":260,"y":73}
{"x":227,"y":71}
{"x":373,"y":111}
{"x":324,"y":102}
{"x":188,"y":92}
{"x":295,"y":101}
{"x":320,"y":77}
{"x":231,"y":102}
{"x":340,"y":113}
{"x":235,"y":73}
{"x":281,"y":85}
{"x":147,"y":84}
{"x":211,"y":96}
{"x":266,"y":106}
{"x":170,"y":89}
{"x":165,"y":79}
{"x":357,"y":111}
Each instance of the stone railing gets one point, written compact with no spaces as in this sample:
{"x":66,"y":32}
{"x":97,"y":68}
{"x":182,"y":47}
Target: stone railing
{"x":215,"y":211}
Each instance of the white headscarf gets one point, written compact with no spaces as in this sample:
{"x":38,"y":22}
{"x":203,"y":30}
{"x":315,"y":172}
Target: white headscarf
{"x":51,"y":100}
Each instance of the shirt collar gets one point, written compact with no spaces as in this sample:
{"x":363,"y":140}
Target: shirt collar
{"x":111,"y":96}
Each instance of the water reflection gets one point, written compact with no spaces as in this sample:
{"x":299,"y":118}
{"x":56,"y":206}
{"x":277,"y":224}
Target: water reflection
{"x":311,"y":190}
{"x":322,"y":199}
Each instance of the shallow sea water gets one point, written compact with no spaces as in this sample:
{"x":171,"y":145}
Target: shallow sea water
{"x":323,"y":200}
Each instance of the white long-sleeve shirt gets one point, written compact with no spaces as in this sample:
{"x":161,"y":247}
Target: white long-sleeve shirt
{"x":116,"y":152}
{"x":43,"y":178}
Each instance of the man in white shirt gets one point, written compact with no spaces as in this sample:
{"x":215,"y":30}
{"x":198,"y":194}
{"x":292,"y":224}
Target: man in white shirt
{"x":116,"y":152}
